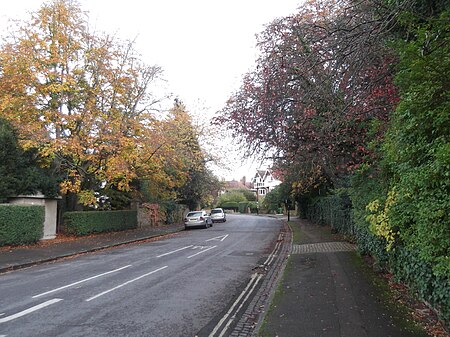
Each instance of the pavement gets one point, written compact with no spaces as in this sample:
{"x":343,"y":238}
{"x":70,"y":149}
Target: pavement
{"x":326,"y":289}
{"x":51,"y":250}
{"x":317,"y":286}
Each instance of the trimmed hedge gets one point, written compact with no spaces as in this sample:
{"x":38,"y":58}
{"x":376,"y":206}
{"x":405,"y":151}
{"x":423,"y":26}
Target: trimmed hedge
{"x":88,"y":222}
{"x":405,"y":264}
{"x":20,"y":225}
{"x":245,"y":205}
{"x":229,"y":205}
{"x":334,"y":210}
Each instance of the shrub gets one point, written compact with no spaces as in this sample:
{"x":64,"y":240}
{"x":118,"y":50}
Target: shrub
{"x":229,"y":205}
{"x":21,"y":225}
{"x":174,"y":213}
{"x":88,"y":222}
{"x":334,"y":210}
{"x":245,"y":205}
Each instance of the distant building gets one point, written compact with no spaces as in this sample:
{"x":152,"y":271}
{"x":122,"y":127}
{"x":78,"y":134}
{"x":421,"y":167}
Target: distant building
{"x":233,"y":185}
{"x":263,"y":182}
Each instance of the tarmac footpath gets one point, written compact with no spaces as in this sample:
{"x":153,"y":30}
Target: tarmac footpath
{"x":26,"y":256}
{"x":327,"y":291}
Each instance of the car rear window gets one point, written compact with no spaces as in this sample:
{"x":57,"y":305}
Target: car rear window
{"x":216,"y":211}
{"x":191,"y":214}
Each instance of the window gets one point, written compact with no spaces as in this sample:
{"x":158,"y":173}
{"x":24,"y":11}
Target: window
{"x":262,"y":192}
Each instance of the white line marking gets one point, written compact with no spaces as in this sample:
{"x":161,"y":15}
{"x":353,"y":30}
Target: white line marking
{"x":202,"y":251}
{"x":219,"y":238}
{"x":78,"y":282}
{"x":272,"y":255}
{"x":30,"y":310}
{"x":242,"y":303}
{"x":199,"y":247}
{"x":124,"y":284}
{"x":177,"y":250}
{"x":1,"y":314}
{"x":216,"y":328}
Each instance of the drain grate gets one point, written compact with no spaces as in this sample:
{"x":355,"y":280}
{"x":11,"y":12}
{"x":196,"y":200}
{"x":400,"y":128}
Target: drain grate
{"x":323,"y":247}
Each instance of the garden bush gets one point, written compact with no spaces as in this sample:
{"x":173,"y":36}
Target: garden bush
{"x":334,"y":210}
{"x":229,"y":205}
{"x":244,"y":206}
{"x":174,"y":212}
{"x":88,"y":222}
{"x":21,"y":225}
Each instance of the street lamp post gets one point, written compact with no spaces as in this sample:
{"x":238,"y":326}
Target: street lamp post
{"x":288,"y":208}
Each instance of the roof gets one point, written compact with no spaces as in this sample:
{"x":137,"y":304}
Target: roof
{"x":234,"y":185}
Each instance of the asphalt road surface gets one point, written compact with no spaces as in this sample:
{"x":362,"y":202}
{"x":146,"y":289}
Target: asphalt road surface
{"x":178,"y":286}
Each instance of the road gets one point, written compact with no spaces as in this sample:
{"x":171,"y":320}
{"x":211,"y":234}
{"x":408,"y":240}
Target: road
{"x":185,"y":285}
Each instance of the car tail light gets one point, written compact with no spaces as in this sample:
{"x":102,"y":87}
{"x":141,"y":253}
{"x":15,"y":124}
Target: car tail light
{"x":201,"y":218}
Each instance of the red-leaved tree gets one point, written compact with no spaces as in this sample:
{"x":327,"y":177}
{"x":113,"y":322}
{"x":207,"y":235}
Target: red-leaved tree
{"x":323,"y":81}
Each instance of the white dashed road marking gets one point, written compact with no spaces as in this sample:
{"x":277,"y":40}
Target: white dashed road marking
{"x":202,"y":251}
{"x":218,"y":238}
{"x":174,"y":251}
{"x":124,"y":284}
{"x":30,"y":310}
{"x":78,"y":282}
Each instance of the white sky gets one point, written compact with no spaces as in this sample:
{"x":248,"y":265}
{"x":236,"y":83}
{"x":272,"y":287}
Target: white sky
{"x":203,"y":46}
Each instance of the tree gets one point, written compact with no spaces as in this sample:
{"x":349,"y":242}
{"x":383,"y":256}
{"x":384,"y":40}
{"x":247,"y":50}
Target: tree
{"x":9,"y":154}
{"x":231,"y":200}
{"x":200,"y":183}
{"x":19,"y":169}
{"x":82,"y":101}
{"x":322,"y":85}
{"x":183,"y":174}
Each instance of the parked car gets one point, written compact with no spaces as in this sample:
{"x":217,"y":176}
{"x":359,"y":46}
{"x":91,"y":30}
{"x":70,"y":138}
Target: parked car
{"x":217,"y":214}
{"x":197,"y":219}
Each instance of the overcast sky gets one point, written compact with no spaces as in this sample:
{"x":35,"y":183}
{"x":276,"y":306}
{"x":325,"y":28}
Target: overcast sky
{"x":203,"y":46}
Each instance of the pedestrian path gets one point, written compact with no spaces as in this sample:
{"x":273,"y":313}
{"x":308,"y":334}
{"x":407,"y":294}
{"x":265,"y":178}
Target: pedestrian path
{"x":326,"y":290}
{"x":46,"y":251}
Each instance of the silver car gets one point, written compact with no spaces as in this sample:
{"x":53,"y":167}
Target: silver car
{"x":217,"y":214}
{"x":197,"y":219}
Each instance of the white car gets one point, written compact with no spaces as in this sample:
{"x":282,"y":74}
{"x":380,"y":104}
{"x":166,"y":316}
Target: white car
{"x":197,"y":219}
{"x":217,"y":214}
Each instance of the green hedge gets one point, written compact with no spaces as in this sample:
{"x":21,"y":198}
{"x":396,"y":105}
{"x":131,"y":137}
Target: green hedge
{"x":88,"y":222}
{"x":334,"y":210}
{"x":404,"y":263}
{"x":245,"y":205}
{"x":229,"y":205}
{"x":21,"y":225}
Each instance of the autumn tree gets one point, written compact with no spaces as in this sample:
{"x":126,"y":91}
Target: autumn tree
{"x":199,"y":183}
{"x":83,"y":101}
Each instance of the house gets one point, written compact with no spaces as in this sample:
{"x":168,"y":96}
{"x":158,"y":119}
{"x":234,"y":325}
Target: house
{"x":263,"y":182}
{"x":233,"y":185}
